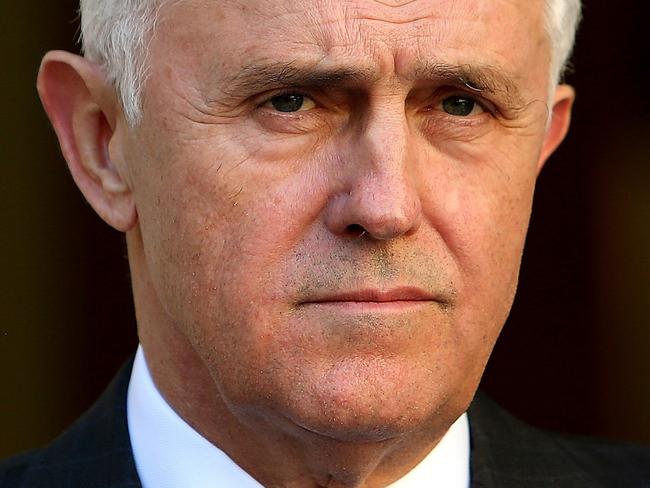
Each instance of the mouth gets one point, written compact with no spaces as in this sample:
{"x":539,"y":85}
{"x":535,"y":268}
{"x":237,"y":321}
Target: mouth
{"x":374,"y":299}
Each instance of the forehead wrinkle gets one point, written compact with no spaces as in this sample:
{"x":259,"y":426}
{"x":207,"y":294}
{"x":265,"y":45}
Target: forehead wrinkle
{"x":338,"y":62}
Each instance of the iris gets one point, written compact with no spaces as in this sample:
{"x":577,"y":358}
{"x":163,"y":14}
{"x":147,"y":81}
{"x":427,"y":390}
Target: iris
{"x":289,"y":102}
{"x":458,"y":106}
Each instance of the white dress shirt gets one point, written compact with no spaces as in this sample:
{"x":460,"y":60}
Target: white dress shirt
{"x":170,"y":454}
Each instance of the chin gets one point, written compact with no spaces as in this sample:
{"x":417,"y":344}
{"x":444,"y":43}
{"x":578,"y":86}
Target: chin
{"x":379,"y":423}
{"x":361,"y":430}
{"x":376,"y":408}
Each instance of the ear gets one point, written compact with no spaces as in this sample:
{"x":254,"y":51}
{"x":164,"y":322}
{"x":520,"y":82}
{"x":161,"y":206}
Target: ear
{"x":85,"y":113}
{"x":559,"y":123}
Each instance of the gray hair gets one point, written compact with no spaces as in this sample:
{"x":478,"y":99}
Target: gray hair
{"x":562,"y":20}
{"x":116,"y":33}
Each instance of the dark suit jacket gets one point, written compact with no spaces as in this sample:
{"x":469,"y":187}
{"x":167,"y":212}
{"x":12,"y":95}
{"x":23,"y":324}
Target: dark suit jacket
{"x":95,"y":452}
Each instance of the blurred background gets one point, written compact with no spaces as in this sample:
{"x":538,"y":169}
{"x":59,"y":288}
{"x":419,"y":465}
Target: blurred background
{"x":574,"y":355}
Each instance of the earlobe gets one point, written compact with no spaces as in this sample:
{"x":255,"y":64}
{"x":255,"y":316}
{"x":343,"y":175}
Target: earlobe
{"x":559,"y":123}
{"x":85,"y":114}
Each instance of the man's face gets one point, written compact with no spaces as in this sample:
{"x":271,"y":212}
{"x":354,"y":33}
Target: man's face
{"x":333,"y":198}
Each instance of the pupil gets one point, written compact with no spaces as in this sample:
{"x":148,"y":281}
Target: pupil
{"x":287,"y":103}
{"x":458,"y":106}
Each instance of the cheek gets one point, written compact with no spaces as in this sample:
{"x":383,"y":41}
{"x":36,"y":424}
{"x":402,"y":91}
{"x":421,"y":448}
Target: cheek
{"x":215,"y":235}
{"x":480,"y":206}
{"x":479,"y":196}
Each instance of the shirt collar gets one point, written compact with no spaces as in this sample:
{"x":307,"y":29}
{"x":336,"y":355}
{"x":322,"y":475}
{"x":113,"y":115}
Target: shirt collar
{"x":169,"y":453}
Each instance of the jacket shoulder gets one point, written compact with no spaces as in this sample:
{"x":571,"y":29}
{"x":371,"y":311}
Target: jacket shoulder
{"x":13,"y":470}
{"x":94,"y":452}
{"x":506,"y":452}
{"x":612,"y":464}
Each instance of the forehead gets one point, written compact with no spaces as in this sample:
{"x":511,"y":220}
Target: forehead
{"x":387,"y":37}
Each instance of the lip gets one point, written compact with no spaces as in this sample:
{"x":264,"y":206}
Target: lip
{"x":371,"y":297}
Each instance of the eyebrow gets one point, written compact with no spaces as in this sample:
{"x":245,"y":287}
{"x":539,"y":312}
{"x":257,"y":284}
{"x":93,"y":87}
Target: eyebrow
{"x":260,"y":77}
{"x":478,"y":78}
{"x":483,"y":79}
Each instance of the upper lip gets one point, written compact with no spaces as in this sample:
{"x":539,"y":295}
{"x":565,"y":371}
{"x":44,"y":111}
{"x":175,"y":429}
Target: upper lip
{"x":400,"y":294}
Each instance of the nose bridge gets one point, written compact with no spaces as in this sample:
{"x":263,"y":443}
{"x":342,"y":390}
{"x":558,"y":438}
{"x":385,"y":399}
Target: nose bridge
{"x":384,"y":140}
{"x":382,"y":197}
{"x":384,"y":184}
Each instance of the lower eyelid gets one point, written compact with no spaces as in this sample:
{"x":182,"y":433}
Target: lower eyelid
{"x":289,"y":122}
{"x":298,"y":116}
{"x":443,"y":123}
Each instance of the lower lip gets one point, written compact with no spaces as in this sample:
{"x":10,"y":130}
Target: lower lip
{"x":352,"y":306}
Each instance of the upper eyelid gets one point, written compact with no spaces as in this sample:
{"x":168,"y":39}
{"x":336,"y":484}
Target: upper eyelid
{"x":485,"y":103}
{"x":261,"y":100}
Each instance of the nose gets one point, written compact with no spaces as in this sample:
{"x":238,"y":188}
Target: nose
{"x":380,"y":199}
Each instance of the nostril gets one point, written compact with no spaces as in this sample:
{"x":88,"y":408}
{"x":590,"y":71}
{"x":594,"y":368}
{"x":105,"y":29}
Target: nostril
{"x":355,"y":230}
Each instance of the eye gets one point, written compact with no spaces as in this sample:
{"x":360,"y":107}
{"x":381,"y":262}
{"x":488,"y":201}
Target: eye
{"x":461,"y":106}
{"x":290,"y":102}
